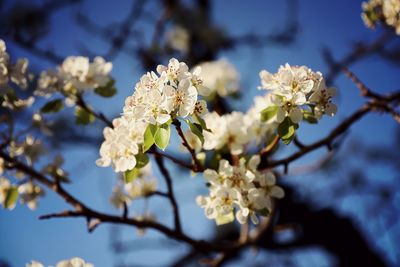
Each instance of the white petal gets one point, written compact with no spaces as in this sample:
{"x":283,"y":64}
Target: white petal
{"x":277,"y":192}
{"x":330,"y":109}
{"x":203,"y":90}
{"x":280,"y":116}
{"x":254,"y":218}
{"x":163,"y":118}
{"x":296,"y":115}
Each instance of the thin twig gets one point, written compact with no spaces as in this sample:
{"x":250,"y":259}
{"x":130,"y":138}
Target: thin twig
{"x":197,"y":165}
{"x":81,"y":103}
{"x":172,"y":158}
{"x":327,"y":141}
{"x":171,"y":195}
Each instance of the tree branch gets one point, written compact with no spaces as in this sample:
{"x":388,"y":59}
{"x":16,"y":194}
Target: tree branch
{"x":197,"y":165}
{"x":171,"y":195}
{"x":81,"y":103}
{"x":172,"y":158}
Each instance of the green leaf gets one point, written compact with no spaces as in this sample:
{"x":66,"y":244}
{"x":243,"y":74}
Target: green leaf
{"x":131,"y":175}
{"x":141,"y":160}
{"x":83,"y":117}
{"x":287,"y":130}
{"x":11,"y":198}
{"x":197,"y":130}
{"x":309,"y":117}
{"x":107,"y":90}
{"x":268,"y":113}
{"x":200,"y":121}
{"x":53,"y":106}
{"x":224,"y":219}
{"x":161,"y":137}
{"x":149,"y":137}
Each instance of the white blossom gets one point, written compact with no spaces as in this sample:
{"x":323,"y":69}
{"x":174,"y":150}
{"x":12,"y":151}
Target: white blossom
{"x":257,"y":130}
{"x":183,"y":99}
{"x":322,"y":98}
{"x":294,"y":90}
{"x":236,"y":132}
{"x":16,"y":73}
{"x":242,"y":188}
{"x":193,"y":141}
{"x":121,"y":144}
{"x":74,"y":262}
{"x":178,"y":39}
{"x":140,"y":187}
{"x":229,"y":129}
{"x":75,"y":75}
{"x":215,"y":139}
{"x":34,"y":264}
{"x":158,"y":98}
{"x":381,"y":11}
{"x":29,"y":194}
{"x":175,"y":71}
{"x":220,"y":77}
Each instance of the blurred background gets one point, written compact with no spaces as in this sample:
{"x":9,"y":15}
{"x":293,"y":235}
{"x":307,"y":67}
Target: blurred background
{"x":340,"y":209}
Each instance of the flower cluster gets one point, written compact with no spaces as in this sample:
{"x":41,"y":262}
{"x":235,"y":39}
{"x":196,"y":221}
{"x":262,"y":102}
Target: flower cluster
{"x":383,"y":11}
{"x":172,"y":93}
{"x":75,"y":75}
{"x":227,"y":130}
{"x":236,"y":131}
{"x":29,"y":194}
{"x":220,"y":77}
{"x":158,"y":99}
{"x":18,"y":75}
{"x":241,"y":188}
{"x":29,"y":150}
{"x":293,"y":87}
{"x":121,"y":144}
{"x":74,"y":262}
{"x":143,"y":185}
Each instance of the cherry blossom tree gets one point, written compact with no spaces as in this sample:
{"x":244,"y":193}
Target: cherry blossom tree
{"x":184,"y":102}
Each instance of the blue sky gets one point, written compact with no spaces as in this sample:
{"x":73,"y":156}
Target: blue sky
{"x":332,"y":24}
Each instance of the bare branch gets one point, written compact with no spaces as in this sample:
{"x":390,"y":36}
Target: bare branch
{"x":171,"y":195}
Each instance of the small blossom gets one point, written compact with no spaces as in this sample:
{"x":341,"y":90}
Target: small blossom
{"x":34,"y":264}
{"x":193,"y":141}
{"x":322,"y":99}
{"x":29,"y":194}
{"x":229,"y":130}
{"x":143,"y":185}
{"x":220,"y":77}
{"x":178,"y":39}
{"x":74,"y":262}
{"x":175,"y":71}
{"x":183,"y":99}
